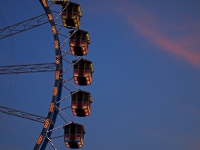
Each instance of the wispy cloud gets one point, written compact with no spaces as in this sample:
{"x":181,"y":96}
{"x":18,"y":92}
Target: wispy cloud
{"x":184,"y":140}
{"x":181,"y":105}
{"x":183,"y":40}
{"x":194,"y":143}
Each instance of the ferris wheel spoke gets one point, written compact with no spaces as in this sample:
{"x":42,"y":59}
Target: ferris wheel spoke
{"x":63,"y":35}
{"x":28,"y":68}
{"x":62,"y":117}
{"x":71,"y":66}
{"x":61,"y":12}
{"x":22,"y":114}
{"x":66,"y":108}
{"x":23,"y":26}
{"x":66,"y":81}
{"x":66,"y":97}
{"x":51,"y":142}
{"x":68,"y":38}
{"x":57,"y":137}
{"x":66,"y":88}
{"x":59,"y":110}
{"x":67,"y":61}
{"x":68,"y":52}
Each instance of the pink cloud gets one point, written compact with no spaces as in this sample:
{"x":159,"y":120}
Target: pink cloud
{"x":184,"y":106}
{"x":194,"y":144}
{"x":183,"y":41}
{"x":186,"y":140}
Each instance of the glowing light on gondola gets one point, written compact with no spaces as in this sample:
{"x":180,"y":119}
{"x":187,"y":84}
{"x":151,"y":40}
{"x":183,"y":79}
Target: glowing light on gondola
{"x":67,"y":144}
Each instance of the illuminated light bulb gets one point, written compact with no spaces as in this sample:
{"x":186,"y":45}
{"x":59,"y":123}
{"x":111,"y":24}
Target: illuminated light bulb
{"x":71,"y":48}
{"x":82,"y":141}
{"x":85,"y":110}
{"x":88,"y":82}
{"x":75,"y":75}
{"x":80,"y":146}
{"x":67,"y":145}
{"x":75,"y":24}
{"x":85,"y":105}
{"x":72,"y":43}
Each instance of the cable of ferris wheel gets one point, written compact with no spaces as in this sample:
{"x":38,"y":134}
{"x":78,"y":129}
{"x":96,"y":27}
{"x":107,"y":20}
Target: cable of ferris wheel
{"x":14,"y":62}
{"x":61,"y":12}
{"x":62,"y":116}
{"x":66,"y":97}
{"x":70,"y":84}
{"x":51,"y":142}
{"x":58,"y":127}
{"x":68,"y":38}
{"x":59,"y":110}
{"x":11,"y":104}
{"x":71,"y":66}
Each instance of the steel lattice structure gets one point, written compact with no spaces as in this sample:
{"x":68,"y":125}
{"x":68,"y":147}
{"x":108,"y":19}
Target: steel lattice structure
{"x":22,"y":114}
{"x":27,"y":68}
{"x":59,"y":82}
{"x":23,"y":26}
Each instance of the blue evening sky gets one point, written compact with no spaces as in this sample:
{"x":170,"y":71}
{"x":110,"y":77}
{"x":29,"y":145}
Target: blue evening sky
{"x":146,"y":81}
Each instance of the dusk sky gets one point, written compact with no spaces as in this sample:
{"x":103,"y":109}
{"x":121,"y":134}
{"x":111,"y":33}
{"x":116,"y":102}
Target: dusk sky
{"x":146,"y":81}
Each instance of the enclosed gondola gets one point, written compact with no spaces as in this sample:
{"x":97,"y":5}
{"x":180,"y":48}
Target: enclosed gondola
{"x":79,"y":41}
{"x":81,"y":103}
{"x":74,"y":135}
{"x":83,"y":70}
{"x":71,"y":14}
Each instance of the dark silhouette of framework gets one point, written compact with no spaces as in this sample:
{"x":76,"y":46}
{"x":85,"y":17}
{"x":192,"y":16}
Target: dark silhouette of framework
{"x":28,"y":68}
{"x":22,"y":114}
{"x":23,"y":26}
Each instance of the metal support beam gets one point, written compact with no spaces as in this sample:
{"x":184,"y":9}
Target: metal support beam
{"x":28,"y":68}
{"x":23,"y":26}
{"x":22,"y":114}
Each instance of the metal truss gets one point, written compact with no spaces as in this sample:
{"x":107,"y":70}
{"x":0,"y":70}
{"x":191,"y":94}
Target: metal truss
{"x":22,"y":114}
{"x":23,"y":26}
{"x":28,"y":68}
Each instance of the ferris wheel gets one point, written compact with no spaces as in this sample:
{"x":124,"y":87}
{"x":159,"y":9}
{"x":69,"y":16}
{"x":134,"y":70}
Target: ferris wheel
{"x":78,"y":41}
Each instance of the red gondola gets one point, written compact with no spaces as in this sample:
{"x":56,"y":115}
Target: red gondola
{"x":83,"y":70}
{"x":74,"y":135}
{"x":81,"y":103}
{"x":71,"y":15}
{"x":79,"y":42}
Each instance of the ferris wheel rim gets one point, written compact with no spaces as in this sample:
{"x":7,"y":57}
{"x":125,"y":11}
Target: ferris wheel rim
{"x":52,"y":114}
